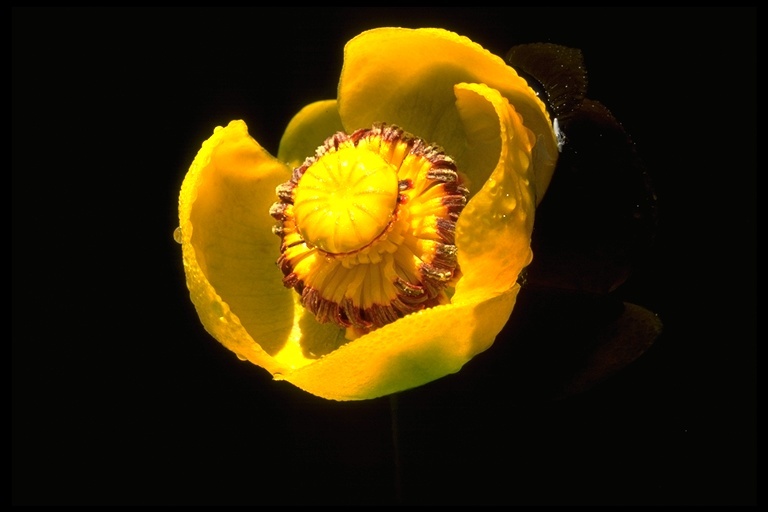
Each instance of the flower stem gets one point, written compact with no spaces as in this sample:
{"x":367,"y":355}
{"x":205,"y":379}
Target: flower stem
{"x":395,"y":423}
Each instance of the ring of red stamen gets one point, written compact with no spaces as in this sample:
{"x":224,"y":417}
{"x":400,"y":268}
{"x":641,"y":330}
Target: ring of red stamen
{"x":404,"y":260}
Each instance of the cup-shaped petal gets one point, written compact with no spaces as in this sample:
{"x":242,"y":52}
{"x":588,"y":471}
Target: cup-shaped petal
{"x":406,"y":77}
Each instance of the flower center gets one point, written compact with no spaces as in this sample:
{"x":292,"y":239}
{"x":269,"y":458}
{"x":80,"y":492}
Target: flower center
{"x":345,"y":200}
{"x":367,"y":228}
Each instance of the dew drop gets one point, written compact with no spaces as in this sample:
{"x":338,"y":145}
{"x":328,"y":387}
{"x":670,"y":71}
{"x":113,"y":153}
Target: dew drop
{"x":241,"y":357}
{"x":217,"y":309}
{"x":278,"y":376}
{"x":510,"y":202}
{"x":177,"y":235}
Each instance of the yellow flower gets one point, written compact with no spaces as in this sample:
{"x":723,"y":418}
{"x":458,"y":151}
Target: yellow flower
{"x":406,"y":269}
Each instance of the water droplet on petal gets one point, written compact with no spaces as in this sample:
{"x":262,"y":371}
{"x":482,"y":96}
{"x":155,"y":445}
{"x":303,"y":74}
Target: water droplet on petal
{"x":510,"y":202}
{"x":217,"y":309}
{"x":278,"y":376}
{"x":177,"y":235}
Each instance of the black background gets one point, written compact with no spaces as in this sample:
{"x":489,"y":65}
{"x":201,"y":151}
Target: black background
{"x":119,"y":396}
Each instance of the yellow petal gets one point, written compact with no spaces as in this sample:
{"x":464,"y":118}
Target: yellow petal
{"x":493,"y":238}
{"x":406,"y":77}
{"x":307,"y":130}
{"x":228,"y":248}
{"x":480,"y":123}
{"x":229,"y":253}
{"x":415,"y":350}
{"x":493,"y":233}
{"x":399,"y":76}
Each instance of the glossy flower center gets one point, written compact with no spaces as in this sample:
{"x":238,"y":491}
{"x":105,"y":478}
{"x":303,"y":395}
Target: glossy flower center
{"x":367,"y":228}
{"x":345,"y":200}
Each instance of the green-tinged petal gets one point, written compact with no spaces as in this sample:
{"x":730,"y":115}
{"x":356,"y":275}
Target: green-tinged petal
{"x":229,"y":254}
{"x":228,"y":246}
{"x":406,"y":77}
{"x":493,"y":233}
{"x":416,"y":349}
{"x":307,"y":130}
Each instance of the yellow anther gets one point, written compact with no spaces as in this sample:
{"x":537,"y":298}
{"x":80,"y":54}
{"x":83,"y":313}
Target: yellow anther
{"x":345,"y":200}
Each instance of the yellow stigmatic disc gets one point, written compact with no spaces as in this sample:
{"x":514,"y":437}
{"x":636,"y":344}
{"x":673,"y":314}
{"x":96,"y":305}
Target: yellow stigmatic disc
{"x":345,"y":200}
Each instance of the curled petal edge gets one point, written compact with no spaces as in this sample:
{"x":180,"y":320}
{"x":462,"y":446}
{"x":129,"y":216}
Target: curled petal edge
{"x":225,"y":235}
{"x":493,"y":233}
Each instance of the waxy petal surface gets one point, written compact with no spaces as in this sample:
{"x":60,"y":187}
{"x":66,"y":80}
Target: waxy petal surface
{"x":406,"y":77}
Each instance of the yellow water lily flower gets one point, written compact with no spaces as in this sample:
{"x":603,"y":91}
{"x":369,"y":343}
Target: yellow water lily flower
{"x":381,"y":249}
